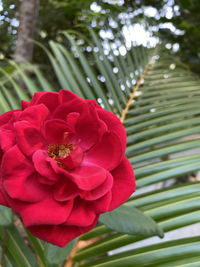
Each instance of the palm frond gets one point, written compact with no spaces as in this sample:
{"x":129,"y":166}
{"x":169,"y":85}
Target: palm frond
{"x":161,"y":116}
{"x":157,"y":99}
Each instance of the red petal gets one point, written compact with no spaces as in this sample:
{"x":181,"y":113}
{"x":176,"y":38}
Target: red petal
{"x":72,"y":118}
{"x":107,"y":153}
{"x":35,"y":115}
{"x":7,"y":139}
{"x":2,"y":199}
{"x":46,"y":212}
{"x":4,"y":118}
{"x":59,"y":235}
{"x":88,"y":177}
{"x":36,"y":97}
{"x":66,"y":96}
{"x":29,"y":139}
{"x":43,"y":166}
{"x":49,"y":99}
{"x":102,"y":204}
{"x":26,"y":189}
{"x":82,"y":214}
{"x":19,"y":179}
{"x":57,"y":131}
{"x":89,"y":128}
{"x":114,"y":125}
{"x":85,"y":177}
{"x":65,"y":190}
{"x":73,"y":105}
{"x":25,"y":104}
{"x":123,"y":183}
{"x":100,"y":191}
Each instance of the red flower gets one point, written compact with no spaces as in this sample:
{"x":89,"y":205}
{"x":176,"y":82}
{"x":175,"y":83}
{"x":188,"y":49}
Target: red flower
{"x":62,"y":164}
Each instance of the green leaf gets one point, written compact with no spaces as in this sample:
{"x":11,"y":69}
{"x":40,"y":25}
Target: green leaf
{"x":55,"y":255}
{"x":130,"y":220}
{"x":5,"y":216}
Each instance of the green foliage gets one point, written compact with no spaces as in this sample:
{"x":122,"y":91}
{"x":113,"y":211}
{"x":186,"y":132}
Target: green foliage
{"x":55,"y":255}
{"x":129,"y":220}
{"x":185,"y":250}
{"x":186,"y":20}
{"x":17,"y":251}
{"x":57,"y":16}
{"x":162,"y":125}
{"x":6,"y":216}
{"x":8,"y":28}
{"x":54,"y":17}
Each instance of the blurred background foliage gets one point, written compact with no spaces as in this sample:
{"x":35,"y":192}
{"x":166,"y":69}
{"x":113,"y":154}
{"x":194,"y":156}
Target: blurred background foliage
{"x":173,"y":21}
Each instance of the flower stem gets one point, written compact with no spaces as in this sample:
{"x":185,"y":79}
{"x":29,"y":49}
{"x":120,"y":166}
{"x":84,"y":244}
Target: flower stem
{"x":136,"y":88}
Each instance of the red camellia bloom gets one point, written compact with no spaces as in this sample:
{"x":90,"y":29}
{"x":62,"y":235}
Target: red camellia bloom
{"x":62,"y":164}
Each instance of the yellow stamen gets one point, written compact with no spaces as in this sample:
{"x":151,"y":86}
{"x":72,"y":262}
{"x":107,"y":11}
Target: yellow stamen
{"x":59,"y":151}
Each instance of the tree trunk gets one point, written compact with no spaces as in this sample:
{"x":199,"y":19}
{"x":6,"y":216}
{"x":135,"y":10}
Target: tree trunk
{"x":28,"y":14}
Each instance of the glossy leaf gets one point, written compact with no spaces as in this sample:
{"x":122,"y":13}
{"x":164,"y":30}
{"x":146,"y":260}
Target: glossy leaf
{"x":6,"y":216}
{"x":55,"y":255}
{"x":130,"y":220}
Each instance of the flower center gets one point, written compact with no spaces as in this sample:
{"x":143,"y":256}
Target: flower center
{"x":59,"y":151}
